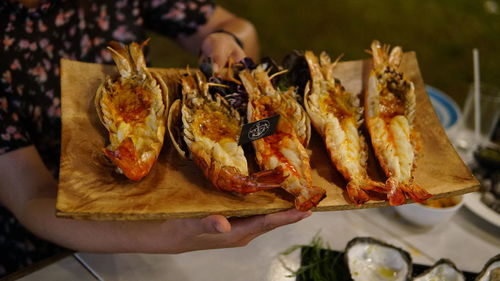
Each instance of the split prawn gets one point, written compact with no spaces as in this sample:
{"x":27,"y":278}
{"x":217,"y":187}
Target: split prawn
{"x":389,"y":113}
{"x":284,"y":149}
{"x":133,"y":109}
{"x":210,"y":129}
{"x":336,"y":115}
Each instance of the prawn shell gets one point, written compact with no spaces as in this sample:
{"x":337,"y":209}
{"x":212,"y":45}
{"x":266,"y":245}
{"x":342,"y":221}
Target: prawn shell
{"x":315,"y":116}
{"x":97,"y":103}
{"x":301,"y":121}
{"x":173,"y":120}
{"x":371,"y":99}
{"x":166,"y":93}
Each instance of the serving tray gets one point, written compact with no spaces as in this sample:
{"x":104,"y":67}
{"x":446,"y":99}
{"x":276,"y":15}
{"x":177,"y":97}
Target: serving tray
{"x":90,"y":189}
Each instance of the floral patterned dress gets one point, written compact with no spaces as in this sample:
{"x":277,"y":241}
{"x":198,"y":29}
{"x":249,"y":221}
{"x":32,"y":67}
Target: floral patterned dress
{"x":33,"y":42}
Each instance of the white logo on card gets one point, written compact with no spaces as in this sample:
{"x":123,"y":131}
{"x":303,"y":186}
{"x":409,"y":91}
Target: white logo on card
{"x":259,"y":129}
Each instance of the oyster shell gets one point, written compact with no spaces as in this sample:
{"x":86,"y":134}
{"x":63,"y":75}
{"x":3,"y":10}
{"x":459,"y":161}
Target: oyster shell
{"x":491,"y":270}
{"x":369,"y":259}
{"x":442,"y":270}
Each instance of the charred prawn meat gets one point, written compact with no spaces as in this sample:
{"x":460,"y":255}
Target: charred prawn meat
{"x":390,"y":104}
{"x":132,"y":108}
{"x":210,"y":131}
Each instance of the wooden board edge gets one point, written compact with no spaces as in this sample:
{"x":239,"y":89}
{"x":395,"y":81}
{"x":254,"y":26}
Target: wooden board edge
{"x":239,"y":213}
{"x":164,"y":216}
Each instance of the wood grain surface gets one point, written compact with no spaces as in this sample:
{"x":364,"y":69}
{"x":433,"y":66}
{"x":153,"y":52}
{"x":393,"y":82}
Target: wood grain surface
{"x":89,"y":188}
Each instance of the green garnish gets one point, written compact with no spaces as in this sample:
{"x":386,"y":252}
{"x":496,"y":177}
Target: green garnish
{"x":318,"y":262}
{"x":490,"y":153}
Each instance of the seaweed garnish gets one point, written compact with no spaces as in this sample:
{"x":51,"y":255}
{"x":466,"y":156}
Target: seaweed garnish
{"x":318,"y":262}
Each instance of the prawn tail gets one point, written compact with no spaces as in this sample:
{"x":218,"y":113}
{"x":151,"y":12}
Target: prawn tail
{"x":395,"y":193}
{"x":415,"y":192}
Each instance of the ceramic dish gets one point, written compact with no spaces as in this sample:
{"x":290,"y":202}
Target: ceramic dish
{"x":473,"y":202}
{"x":446,"y":108}
{"x":423,"y":215}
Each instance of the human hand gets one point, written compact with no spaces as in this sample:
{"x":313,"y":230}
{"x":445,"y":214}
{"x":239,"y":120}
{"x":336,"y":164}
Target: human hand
{"x":220,"y":47}
{"x":34,"y":206}
{"x":217,"y":231}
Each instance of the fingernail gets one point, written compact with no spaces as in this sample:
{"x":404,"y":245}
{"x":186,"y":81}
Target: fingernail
{"x":215,"y":67}
{"x":219,"y":228}
{"x":306,"y":214}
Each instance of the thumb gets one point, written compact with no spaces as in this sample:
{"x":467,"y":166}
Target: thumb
{"x":212,"y":224}
{"x":257,"y":225}
{"x":238,"y":54}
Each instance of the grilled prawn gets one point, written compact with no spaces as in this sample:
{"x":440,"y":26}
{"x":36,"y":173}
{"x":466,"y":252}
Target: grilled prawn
{"x":336,"y":115}
{"x":389,"y":115}
{"x":211,"y":128}
{"x":284,"y":149}
{"x":132,"y":108}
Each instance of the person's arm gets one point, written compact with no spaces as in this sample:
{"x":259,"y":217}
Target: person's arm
{"x":220,"y":46}
{"x":29,"y":191}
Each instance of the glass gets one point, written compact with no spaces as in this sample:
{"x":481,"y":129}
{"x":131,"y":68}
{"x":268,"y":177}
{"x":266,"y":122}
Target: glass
{"x":489,"y":112}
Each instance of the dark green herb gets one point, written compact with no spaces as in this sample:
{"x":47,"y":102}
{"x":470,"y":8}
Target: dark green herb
{"x":318,"y":262}
{"x":488,"y":157}
{"x":298,"y":72}
{"x":490,"y":153}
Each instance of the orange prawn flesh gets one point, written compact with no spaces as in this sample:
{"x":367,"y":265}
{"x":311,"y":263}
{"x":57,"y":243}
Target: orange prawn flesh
{"x":389,"y":112}
{"x":336,"y":115}
{"x":284,"y":149}
{"x":132,"y":108}
{"x":211,"y":129}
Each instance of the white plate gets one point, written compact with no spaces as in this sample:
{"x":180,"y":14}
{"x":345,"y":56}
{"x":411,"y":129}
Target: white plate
{"x":446,"y":108}
{"x":473,"y":202}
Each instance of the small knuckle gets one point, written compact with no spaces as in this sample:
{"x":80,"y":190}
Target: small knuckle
{"x":243,"y":242}
{"x":232,"y":240}
{"x":266,"y":226}
{"x":239,"y":241}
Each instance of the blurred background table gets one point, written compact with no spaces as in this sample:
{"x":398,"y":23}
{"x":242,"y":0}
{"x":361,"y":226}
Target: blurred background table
{"x":466,"y":239}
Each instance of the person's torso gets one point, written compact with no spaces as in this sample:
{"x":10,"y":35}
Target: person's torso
{"x":34,"y":41}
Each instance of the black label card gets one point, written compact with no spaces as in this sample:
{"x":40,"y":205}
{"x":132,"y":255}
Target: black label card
{"x":258,"y":129}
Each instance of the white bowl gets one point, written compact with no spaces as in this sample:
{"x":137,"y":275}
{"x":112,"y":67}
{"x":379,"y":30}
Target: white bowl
{"x":423,"y":215}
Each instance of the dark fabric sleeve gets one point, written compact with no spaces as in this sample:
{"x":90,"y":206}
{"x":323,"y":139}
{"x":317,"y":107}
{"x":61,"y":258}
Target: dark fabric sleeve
{"x":175,"y":17}
{"x":12,"y":132}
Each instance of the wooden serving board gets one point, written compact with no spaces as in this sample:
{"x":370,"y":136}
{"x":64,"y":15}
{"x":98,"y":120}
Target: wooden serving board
{"x":90,"y":189}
